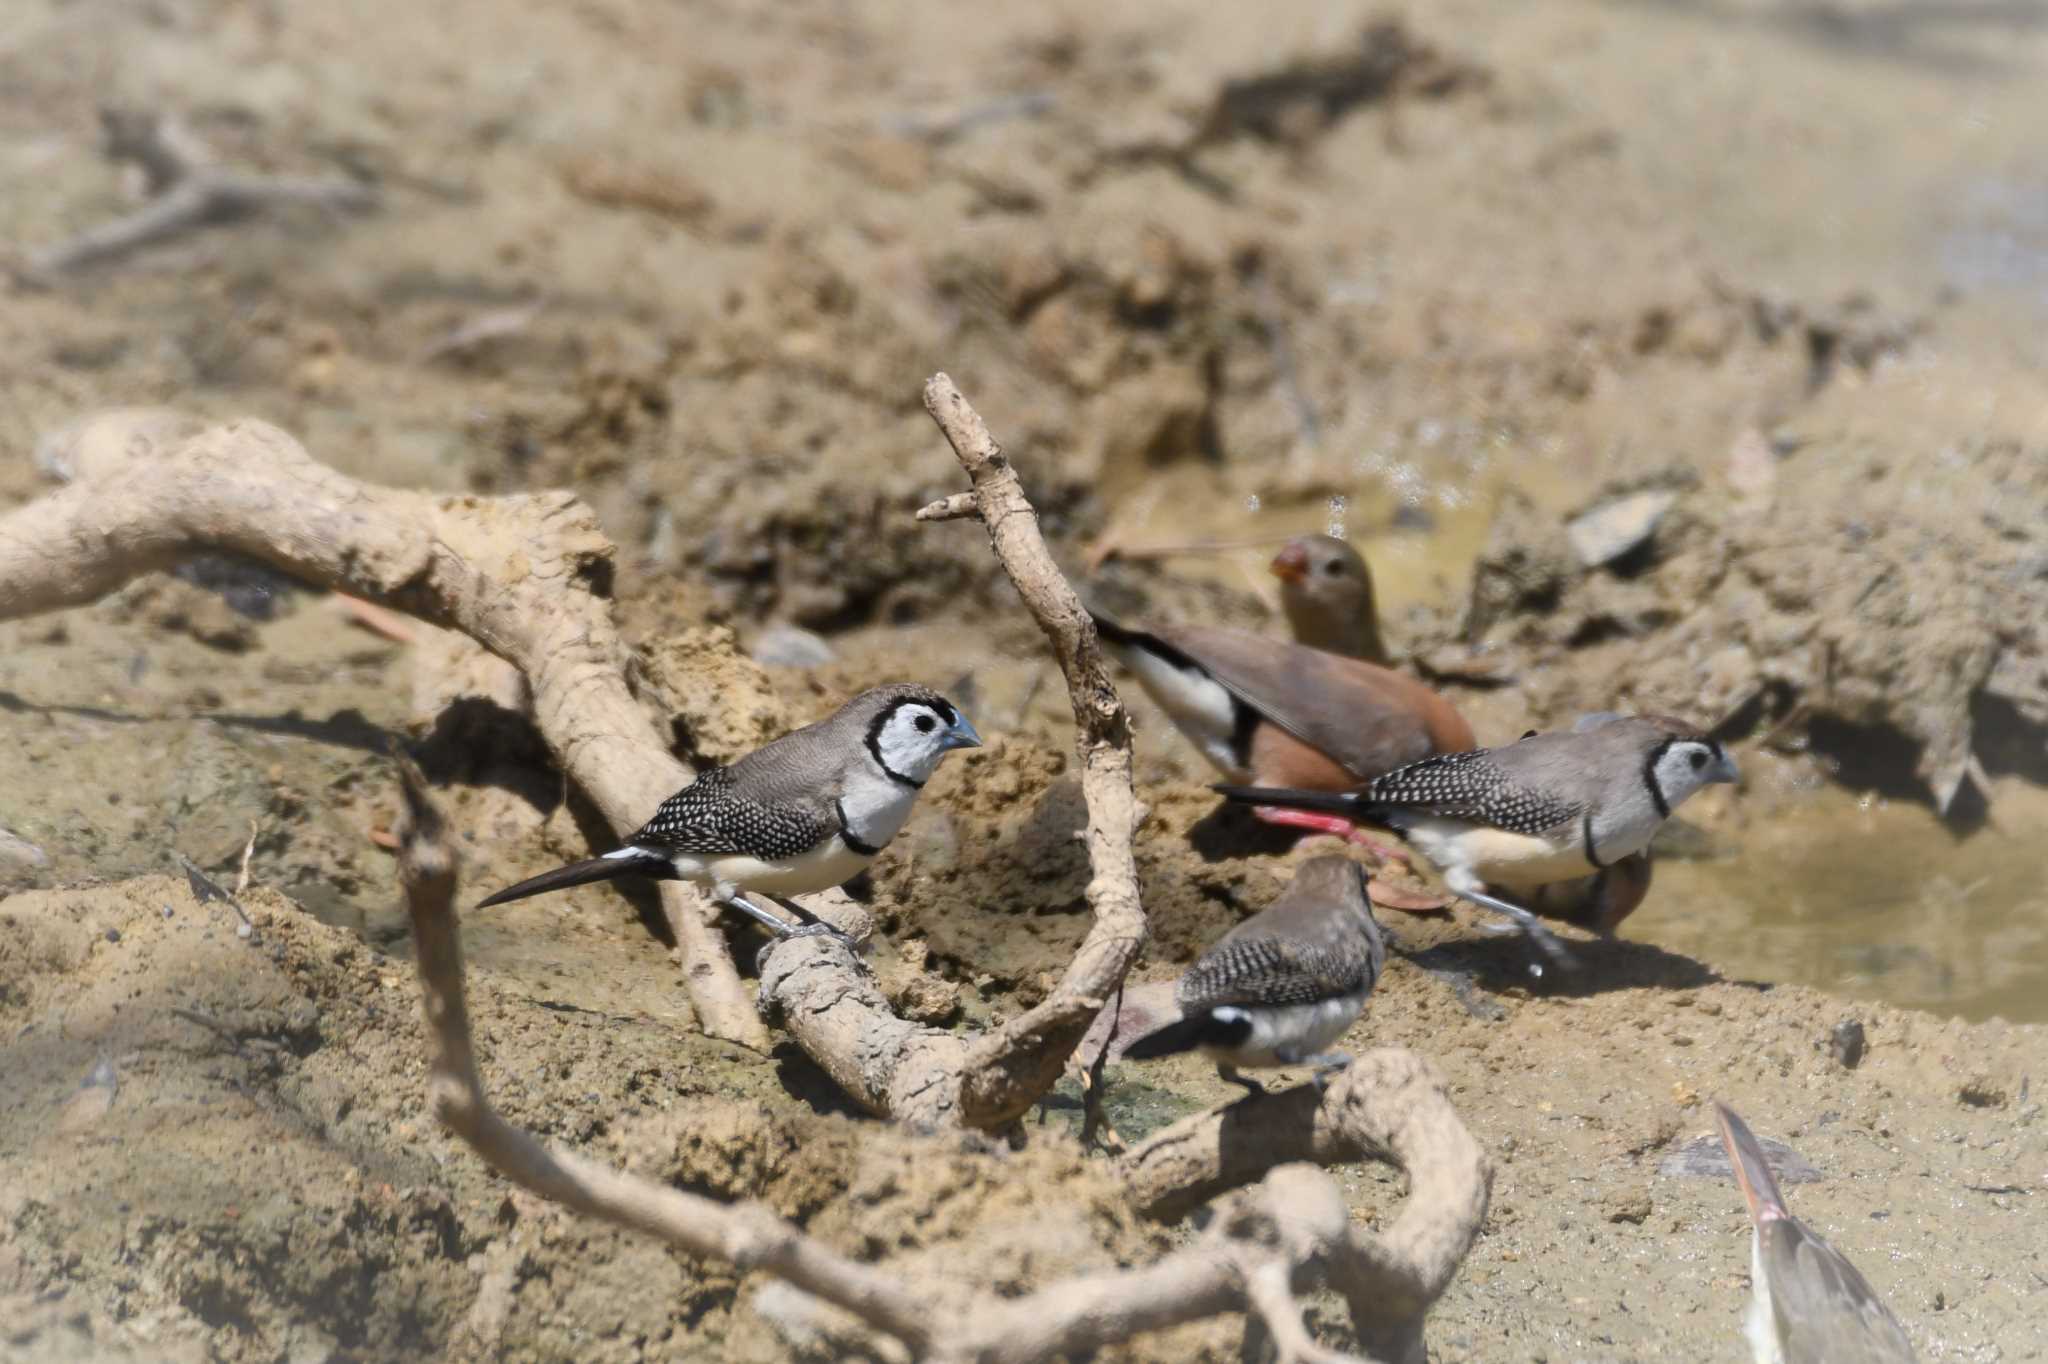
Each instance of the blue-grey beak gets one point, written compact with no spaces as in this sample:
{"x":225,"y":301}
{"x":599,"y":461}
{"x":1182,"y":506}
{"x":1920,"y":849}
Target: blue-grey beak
{"x":1724,"y":770}
{"x":961,"y":734}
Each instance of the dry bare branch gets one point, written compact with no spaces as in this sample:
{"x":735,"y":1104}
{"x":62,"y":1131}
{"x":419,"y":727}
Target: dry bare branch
{"x":747,"y":1234}
{"x":1386,"y":1104}
{"x":528,"y":577}
{"x":1268,"y":1242}
{"x":929,"y":1077}
{"x":1020,"y":1061}
{"x":186,"y":193}
{"x":953,"y":507}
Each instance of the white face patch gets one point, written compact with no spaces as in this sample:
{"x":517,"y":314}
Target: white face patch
{"x":1685,"y":766}
{"x":911,"y":740}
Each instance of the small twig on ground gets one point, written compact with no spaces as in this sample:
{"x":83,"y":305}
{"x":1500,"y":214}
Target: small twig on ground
{"x":186,"y":193}
{"x":248,"y":852}
{"x":223,"y":1031}
{"x":485,"y":327}
{"x":939,"y":129}
{"x":205,"y":889}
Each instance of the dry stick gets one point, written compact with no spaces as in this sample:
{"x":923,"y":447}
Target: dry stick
{"x":922,"y":1075}
{"x":1015,"y":1064}
{"x":188,"y":194}
{"x":1282,"y":1232}
{"x":1385,"y":1103}
{"x":528,"y":577}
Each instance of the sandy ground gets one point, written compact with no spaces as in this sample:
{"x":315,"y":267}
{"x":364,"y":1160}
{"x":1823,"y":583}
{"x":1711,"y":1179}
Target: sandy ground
{"x":1442,"y":279}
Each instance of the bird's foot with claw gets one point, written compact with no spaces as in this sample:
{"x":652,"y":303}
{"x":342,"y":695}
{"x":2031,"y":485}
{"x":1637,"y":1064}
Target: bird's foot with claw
{"x":819,"y":929}
{"x":1327,"y":1064}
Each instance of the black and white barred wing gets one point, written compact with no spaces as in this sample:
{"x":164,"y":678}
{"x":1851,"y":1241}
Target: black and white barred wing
{"x":1471,"y":786}
{"x":1272,"y":971}
{"x":712,"y":818}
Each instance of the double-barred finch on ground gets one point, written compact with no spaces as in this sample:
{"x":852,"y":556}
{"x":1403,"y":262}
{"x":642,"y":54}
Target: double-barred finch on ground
{"x":1283,"y":985}
{"x":1548,"y":808}
{"x":802,"y":813}
{"x":1321,"y":714}
{"x":1808,"y":1304}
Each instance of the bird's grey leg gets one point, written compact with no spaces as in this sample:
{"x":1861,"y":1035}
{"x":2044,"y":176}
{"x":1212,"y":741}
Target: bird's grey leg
{"x":803,"y":915}
{"x":813,"y":926}
{"x":781,"y":928}
{"x":1468,"y":888}
{"x":1326,"y":1064}
{"x":1231,"y":1075}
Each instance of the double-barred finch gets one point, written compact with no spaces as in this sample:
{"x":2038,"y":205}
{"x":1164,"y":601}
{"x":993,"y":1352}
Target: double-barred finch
{"x":1551,"y":807}
{"x":1808,"y":1304}
{"x":802,"y":813}
{"x":1283,"y":985}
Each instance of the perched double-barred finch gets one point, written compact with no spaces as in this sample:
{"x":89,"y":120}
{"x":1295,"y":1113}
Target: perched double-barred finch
{"x":1808,"y":1304}
{"x":1283,"y":985}
{"x":1551,"y":807}
{"x":801,"y":813}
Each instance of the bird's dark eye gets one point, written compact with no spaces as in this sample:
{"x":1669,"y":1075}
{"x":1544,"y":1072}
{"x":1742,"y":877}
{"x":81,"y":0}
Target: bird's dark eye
{"x":926,"y":724}
{"x":1698,"y":760}
{"x":1334,"y":568}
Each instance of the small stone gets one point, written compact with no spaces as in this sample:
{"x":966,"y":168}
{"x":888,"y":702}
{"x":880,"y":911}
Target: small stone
{"x":791,"y":646}
{"x":1612,"y":530}
{"x":1846,"y":1043}
{"x":113,"y":935}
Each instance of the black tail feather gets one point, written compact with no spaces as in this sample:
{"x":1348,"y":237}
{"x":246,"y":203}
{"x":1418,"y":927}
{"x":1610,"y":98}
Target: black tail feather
{"x":582,"y":874}
{"x":1332,"y":802}
{"x":1113,"y":633}
{"x":1201,"y":1029}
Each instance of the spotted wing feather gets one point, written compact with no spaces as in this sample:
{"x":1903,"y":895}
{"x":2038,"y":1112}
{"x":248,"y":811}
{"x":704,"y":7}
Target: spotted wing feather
{"x":716,"y":816}
{"x":1470,"y":786}
{"x":1258,"y":969}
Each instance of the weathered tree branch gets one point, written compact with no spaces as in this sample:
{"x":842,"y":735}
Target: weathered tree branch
{"x":1267,"y":1243}
{"x":1385,"y":1104}
{"x":528,"y":577}
{"x":1013,"y":1066}
{"x":930,"y":1077}
{"x":187,"y":192}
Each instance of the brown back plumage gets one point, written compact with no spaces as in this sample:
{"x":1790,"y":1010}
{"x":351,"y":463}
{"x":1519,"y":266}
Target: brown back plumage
{"x":1367,"y":718}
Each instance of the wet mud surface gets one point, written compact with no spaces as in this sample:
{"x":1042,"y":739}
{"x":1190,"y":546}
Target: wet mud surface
{"x":1624,"y":411}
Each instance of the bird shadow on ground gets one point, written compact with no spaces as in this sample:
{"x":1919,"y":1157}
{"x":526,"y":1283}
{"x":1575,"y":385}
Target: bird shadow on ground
{"x":1499,"y":964}
{"x":1230,"y":832}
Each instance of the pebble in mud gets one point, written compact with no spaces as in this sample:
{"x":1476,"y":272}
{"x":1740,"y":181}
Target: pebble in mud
{"x":1846,"y":1043}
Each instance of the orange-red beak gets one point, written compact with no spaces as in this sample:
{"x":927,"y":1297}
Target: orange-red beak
{"x":1290,"y":565}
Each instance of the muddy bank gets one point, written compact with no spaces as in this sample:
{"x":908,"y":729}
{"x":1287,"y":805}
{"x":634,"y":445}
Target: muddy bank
{"x":1446,"y":281}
